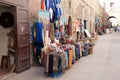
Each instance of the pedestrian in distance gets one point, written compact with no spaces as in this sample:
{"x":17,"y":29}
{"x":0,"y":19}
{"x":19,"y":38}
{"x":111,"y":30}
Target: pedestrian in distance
{"x":115,"y":29}
{"x":118,"y":29}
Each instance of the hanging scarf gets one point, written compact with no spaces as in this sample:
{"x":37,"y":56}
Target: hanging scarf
{"x":42,"y":5}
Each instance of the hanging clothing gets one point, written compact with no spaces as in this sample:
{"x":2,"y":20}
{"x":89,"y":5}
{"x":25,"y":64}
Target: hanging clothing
{"x":47,"y":4}
{"x":51,"y":4}
{"x":51,"y":14}
{"x":68,"y":30}
{"x":70,"y":53}
{"x":56,"y":24}
{"x":52,"y":31}
{"x":58,"y":11}
{"x":57,"y":1}
{"x":42,"y":5}
{"x":74,"y":56}
{"x":38,"y":38}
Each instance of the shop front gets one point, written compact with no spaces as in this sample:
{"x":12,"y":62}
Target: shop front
{"x":56,"y":42}
{"x":14,"y":35}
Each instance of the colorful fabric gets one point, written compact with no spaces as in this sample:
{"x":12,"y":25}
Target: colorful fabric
{"x":70,"y":58}
{"x":77,"y":51}
{"x":74,"y":56}
{"x":63,"y":62}
{"x":47,"y":4}
{"x":57,"y":1}
{"x":51,"y":4}
{"x":50,"y":64}
{"x":68,"y":30}
{"x":42,"y":5}
{"x":51,"y":14}
{"x":55,"y":63}
{"x":52,"y":32}
{"x":66,"y":59}
{"x":38,"y":35}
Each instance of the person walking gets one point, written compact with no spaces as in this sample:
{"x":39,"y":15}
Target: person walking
{"x":115,"y":29}
{"x":118,"y":29}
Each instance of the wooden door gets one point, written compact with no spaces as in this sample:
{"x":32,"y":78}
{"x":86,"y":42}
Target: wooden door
{"x":23,"y":43}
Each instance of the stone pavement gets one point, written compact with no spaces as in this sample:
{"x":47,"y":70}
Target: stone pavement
{"x":103,"y":64}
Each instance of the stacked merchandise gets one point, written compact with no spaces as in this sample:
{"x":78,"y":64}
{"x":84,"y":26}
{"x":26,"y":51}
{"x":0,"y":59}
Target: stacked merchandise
{"x":68,"y":50}
{"x":58,"y":59}
{"x":60,"y":54}
{"x":77,"y":51}
{"x":87,"y":48}
{"x":55,"y":61}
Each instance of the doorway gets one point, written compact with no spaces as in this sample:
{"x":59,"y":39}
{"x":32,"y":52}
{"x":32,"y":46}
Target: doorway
{"x":14,"y":43}
{"x":85,"y":23}
{"x":7,"y":36}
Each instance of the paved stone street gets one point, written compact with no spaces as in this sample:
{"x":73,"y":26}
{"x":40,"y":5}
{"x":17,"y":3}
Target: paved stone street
{"x":103,"y":64}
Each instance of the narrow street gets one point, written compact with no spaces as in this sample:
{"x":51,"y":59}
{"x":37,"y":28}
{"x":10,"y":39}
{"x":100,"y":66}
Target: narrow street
{"x":103,"y":64}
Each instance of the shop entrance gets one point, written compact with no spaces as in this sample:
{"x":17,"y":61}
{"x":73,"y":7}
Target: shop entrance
{"x":14,"y":39}
{"x":7,"y":38}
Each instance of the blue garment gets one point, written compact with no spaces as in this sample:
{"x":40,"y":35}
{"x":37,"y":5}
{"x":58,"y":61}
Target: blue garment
{"x":47,"y":4}
{"x":57,"y":1}
{"x":60,"y":11}
{"x":56,"y":12}
{"x":38,"y":38}
{"x":57,"y":34}
{"x":51,"y":4}
{"x":66,"y":55}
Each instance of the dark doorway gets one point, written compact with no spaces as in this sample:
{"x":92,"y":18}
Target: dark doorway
{"x":16,"y":43}
{"x":85,"y":21}
{"x":7,"y":39}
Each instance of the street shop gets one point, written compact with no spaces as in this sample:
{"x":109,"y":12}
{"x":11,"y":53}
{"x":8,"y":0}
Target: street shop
{"x":52,"y":39}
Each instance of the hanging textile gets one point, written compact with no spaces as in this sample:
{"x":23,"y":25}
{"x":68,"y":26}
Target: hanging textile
{"x":42,"y":5}
{"x":68,"y":30}
{"x":51,"y":14}
{"x":51,"y":4}
{"x":47,"y":4}
{"x":70,"y":24}
{"x":63,"y":61}
{"x":70,"y":58}
{"x":74,"y":57}
{"x":38,"y":41}
{"x":66,"y":61}
{"x":77,"y":51}
{"x":58,"y":11}
{"x":38,"y":35}
{"x":57,"y":1}
{"x":52,"y":31}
